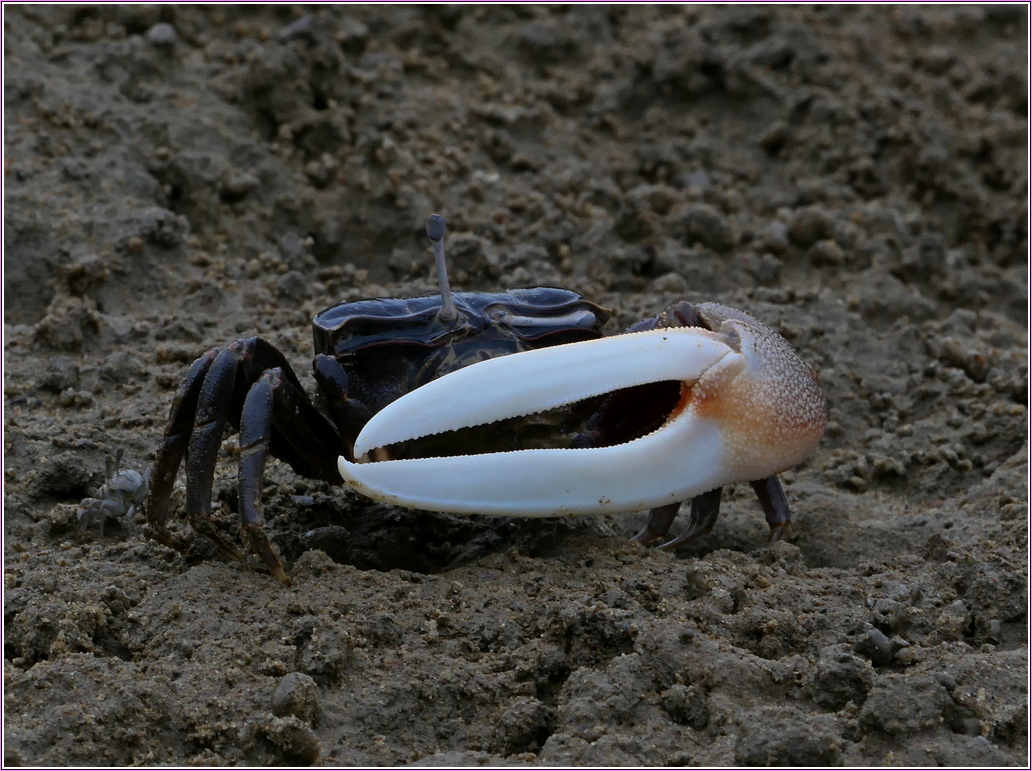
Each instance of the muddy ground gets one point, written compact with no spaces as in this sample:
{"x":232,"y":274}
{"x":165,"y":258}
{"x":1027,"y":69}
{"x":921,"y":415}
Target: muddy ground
{"x":178,"y":177}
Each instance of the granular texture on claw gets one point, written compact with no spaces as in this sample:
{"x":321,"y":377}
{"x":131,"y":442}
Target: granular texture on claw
{"x":771,"y":398}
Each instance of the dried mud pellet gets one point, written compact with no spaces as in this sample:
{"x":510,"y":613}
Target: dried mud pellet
{"x":296,"y":695}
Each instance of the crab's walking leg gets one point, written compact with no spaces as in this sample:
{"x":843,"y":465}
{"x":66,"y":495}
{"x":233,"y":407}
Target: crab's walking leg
{"x":218,"y":401}
{"x":278,"y":414}
{"x":250,"y":385}
{"x":706,"y":509}
{"x":177,"y":435}
{"x":255,"y":433}
{"x":213,"y":407}
{"x":658,"y":525}
{"x":704,"y":514}
{"x":775,"y":506}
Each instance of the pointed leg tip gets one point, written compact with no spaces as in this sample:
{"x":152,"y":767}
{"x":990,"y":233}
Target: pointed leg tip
{"x":278,"y":571}
{"x":645,"y":537}
{"x":204,"y":526}
{"x":257,"y":542}
{"x":274,"y":565}
{"x":780,"y":532}
{"x":162,"y":536}
{"x":669,"y":546}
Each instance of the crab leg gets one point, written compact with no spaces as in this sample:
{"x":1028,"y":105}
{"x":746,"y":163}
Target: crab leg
{"x":749,"y":409}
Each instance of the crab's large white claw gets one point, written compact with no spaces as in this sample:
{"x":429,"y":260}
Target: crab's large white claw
{"x":749,"y":408}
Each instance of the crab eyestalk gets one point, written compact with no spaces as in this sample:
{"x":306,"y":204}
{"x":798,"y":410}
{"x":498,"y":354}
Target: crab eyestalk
{"x":435,"y":228}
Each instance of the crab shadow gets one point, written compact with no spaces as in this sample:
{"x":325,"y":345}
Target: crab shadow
{"x":373,"y":536}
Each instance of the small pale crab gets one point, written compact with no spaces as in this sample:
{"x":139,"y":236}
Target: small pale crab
{"x":509,"y":403}
{"x":118,"y":498}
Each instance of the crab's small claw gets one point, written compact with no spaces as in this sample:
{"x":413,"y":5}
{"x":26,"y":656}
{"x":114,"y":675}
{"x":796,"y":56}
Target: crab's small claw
{"x":749,"y":409}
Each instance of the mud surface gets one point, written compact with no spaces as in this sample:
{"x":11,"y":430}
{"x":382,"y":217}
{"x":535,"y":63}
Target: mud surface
{"x":854,"y":176}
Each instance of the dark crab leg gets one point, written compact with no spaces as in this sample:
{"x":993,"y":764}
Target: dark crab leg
{"x":250,"y":385}
{"x":706,"y":509}
{"x":277,"y":413}
{"x":255,"y":434}
{"x":704,"y":514}
{"x":213,"y":407}
{"x":177,"y":435}
{"x":775,"y":506}
{"x":658,"y":525}
{"x":279,"y":417}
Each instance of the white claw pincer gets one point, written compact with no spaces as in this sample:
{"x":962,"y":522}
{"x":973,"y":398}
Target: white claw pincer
{"x":749,"y":408}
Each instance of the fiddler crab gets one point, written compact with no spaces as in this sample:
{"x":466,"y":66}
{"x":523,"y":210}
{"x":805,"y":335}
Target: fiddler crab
{"x":508,"y":403}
